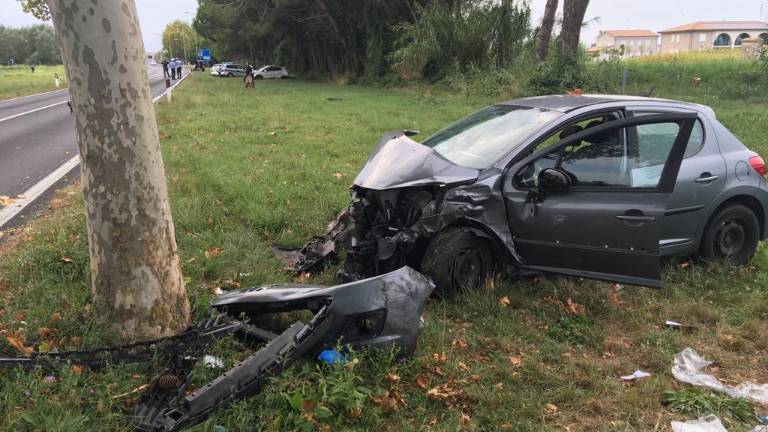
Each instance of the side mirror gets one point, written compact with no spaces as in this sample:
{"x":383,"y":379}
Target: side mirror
{"x":553,"y":179}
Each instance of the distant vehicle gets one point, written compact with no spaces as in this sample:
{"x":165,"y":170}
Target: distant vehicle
{"x":270,"y":72}
{"x":215,"y":69}
{"x":230,"y":70}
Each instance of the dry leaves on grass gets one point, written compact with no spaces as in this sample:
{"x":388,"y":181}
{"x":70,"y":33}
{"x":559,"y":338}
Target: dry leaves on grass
{"x":5,"y":200}
{"x":214,"y":251}
{"x":18,"y":342}
{"x":505,"y":301}
{"x":570,"y":307}
{"x":516,"y":361}
{"x":389,"y":401}
{"x":338,"y":175}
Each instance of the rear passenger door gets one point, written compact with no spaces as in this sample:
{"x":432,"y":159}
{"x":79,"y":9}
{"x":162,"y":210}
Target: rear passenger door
{"x":701,"y":178}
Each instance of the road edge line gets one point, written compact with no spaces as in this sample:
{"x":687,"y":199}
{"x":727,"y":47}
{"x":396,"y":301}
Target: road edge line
{"x":33,"y":111}
{"x":35,"y":191}
{"x":33,"y":95}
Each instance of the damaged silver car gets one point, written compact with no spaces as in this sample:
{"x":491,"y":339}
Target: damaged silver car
{"x":593,"y":186}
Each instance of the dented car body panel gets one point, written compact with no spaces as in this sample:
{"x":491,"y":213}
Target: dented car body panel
{"x":407,"y":193}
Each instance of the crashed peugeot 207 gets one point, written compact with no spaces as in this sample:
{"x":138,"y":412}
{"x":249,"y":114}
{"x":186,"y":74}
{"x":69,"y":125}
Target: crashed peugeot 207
{"x":594,"y":186}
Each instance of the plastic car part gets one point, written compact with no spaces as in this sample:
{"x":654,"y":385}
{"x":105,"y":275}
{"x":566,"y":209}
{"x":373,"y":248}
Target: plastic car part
{"x":382,"y":312}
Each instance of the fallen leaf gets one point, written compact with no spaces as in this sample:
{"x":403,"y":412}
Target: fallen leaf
{"x":505,"y":301}
{"x":516,"y":360}
{"x":422,"y":381}
{"x":464,"y":418}
{"x":460,"y":343}
{"x":355,"y":412}
{"x":55,"y":317}
{"x":685,"y":264}
{"x":463,"y":366}
{"x":550,"y":409}
{"x":432,"y":421}
{"x":18,"y":343}
{"x":338,"y":175}
{"x":303,"y":277}
{"x":499,"y":386}
{"x":439,"y":357}
{"x":573,"y":308}
{"x":192,"y":260}
{"x":387,"y":402}
{"x":214,"y":251}
{"x":77,"y":370}
{"x":392,"y":378}
{"x":66,"y":259}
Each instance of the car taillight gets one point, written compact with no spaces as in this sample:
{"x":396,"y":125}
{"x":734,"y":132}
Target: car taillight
{"x":758,"y":164}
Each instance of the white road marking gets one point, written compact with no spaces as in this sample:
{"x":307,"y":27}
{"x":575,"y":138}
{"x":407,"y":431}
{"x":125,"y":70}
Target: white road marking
{"x":30,"y":195}
{"x":36,"y":94}
{"x":32,"y":111}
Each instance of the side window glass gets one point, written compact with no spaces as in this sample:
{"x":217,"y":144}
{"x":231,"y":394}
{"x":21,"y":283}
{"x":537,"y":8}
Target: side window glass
{"x":695,"y":143}
{"x":607,"y":160}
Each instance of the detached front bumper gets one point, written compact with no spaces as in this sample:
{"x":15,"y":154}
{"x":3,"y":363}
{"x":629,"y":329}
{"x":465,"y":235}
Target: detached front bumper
{"x":382,"y":312}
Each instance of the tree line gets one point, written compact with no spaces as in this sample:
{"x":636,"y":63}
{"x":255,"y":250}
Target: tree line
{"x":31,"y":45}
{"x":372,"y":38}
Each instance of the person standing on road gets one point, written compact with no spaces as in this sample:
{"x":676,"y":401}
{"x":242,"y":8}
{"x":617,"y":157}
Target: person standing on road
{"x":165,"y":69}
{"x":172,"y":66}
{"x":248,"y":78}
{"x":179,"y":63}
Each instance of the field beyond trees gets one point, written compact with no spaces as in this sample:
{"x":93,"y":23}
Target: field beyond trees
{"x":273,"y":164}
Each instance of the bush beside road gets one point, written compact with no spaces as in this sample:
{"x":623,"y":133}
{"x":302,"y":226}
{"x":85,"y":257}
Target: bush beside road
{"x":247,"y":168}
{"x":16,"y":81}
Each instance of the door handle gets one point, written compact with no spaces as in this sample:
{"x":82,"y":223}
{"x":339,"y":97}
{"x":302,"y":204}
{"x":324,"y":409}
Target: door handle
{"x":636,"y":219}
{"x":706,"y":178}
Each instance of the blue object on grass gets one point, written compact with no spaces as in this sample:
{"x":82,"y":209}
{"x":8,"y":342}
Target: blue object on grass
{"x":331,"y":356}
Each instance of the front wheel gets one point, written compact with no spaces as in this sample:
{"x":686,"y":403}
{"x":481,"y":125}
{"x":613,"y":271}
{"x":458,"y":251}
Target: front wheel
{"x":230,"y":75}
{"x":457,"y":259}
{"x":732,"y":235}
{"x":259,"y":77}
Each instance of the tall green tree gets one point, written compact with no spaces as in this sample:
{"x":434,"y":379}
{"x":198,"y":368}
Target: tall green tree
{"x":179,"y":40}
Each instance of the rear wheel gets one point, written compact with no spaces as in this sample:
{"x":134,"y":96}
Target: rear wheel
{"x":259,"y":77}
{"x":230,"y":75}
{"x":457,"y":259}
{"x":732,"y":235}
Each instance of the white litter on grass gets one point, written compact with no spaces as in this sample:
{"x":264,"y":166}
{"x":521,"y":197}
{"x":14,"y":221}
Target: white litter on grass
{"x":709,"y":423}
{"x":688,"y":369}
{"x":636,"y":375}
{"x":213,"y":362}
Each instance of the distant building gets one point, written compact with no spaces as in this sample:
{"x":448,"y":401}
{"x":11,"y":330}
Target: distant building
{"x":706,"y":35}
{"x":625,"y":43}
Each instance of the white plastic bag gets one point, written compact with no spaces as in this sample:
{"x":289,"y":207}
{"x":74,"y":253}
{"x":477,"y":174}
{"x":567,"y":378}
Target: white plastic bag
{"x":709,"y":423}
{"x":688,"y":369}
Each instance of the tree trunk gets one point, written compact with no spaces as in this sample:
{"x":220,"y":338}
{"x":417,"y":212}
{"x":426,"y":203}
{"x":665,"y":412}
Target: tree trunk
{"x":545,"y":32}
{"x":573,"y":19}
{"x":135,"y":270}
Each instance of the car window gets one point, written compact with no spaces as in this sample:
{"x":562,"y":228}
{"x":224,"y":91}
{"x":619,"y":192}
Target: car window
{"x":695,"y":143}
{"x":479,"y":139}
{"x":572,"y":128}
{"x":605,"y":160}
{"x":273,"y":69}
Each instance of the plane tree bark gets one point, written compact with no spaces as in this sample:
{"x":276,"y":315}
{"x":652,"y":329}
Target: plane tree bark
{"x":135,"y":269}
{"x":573,"y":19}
{"x":545,"y":31}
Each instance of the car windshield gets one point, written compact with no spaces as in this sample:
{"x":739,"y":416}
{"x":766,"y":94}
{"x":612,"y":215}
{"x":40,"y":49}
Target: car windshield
{"x":479,"y":139}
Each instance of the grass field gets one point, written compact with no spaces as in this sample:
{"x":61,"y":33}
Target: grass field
{"x":18,"y":80}
{"x":248,"y":168}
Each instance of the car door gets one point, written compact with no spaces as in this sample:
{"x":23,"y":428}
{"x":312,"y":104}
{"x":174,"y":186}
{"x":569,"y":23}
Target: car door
{"x":701,"y":178}
{"x":605,"y":222}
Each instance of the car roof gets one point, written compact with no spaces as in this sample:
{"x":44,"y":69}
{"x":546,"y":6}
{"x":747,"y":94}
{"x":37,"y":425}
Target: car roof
{"x":567,"y":103}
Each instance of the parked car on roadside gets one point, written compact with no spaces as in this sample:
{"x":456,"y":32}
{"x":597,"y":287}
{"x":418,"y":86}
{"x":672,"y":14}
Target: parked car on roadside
{"x":230,"y":70}
{"x":270,"y":72}
{"x":594,"y":186}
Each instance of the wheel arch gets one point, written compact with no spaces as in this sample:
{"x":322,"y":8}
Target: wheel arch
{"x":500,"y":252}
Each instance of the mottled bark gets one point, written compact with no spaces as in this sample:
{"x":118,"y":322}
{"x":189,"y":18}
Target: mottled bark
{"x":573,"y":19}
{"x":135,"y":270}
{"x":545,"y":31}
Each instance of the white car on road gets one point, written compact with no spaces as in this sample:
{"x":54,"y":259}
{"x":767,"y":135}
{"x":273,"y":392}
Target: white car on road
{"x":270,"y":72}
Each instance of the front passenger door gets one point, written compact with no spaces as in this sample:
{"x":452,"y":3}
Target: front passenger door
{"x":605,"y":222}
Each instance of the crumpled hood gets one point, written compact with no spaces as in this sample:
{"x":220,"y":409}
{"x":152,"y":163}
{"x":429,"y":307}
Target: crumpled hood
{"x":399,"y":161}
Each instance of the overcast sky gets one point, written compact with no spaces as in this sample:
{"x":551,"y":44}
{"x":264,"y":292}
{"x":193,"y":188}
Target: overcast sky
{"x":611,"y":14}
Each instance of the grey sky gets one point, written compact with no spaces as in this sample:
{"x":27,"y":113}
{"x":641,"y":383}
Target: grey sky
{"x":153,"y":15}
{"x":613,"y":14}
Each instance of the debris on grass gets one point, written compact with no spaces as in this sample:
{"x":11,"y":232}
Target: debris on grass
{"x":688,"y":368}
{"x":709,"y":423}
{"x":636,"y":376}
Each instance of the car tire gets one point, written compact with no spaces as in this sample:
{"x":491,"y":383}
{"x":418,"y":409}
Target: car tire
{"x":732,"y":235}
{"x":230,"y":75}
{"x":457,"y":259}
{"x":259,"y":77}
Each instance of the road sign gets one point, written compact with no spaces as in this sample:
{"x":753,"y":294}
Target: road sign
{"x":205,"y":54}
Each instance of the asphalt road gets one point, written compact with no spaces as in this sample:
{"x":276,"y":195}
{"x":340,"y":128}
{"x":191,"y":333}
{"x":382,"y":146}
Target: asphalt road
{"x":37,"y":137}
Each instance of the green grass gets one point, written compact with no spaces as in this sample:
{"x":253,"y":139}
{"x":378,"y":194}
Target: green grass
{"x":18,"y":80}
{"x":249,"y":168}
